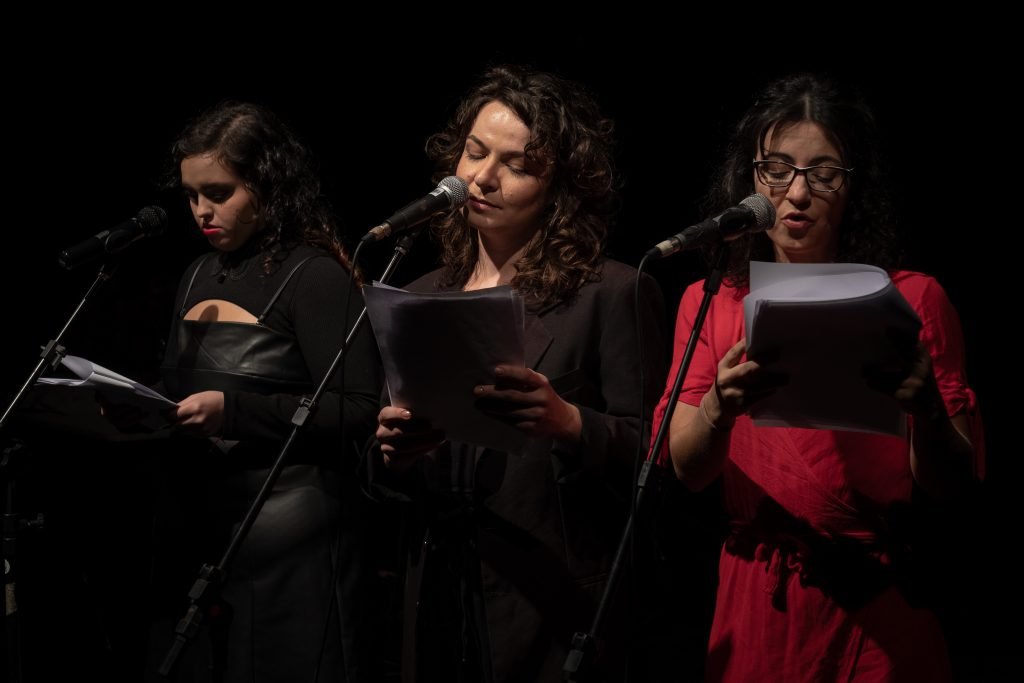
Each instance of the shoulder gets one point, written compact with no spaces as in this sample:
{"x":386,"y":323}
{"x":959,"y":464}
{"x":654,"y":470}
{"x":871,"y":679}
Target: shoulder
{"x":192,"y":271}
{"x":916,"y":286}
{"x":312,"y":262}
{"x":312,"y":274}
{"x":616,"y":271}
{"x":431,"y":282}
{"x":209,"y":257}
{"x":615,"y":277}
{"x":728,"y":295}
{"x":695,"y":289}
{"x":610,"y":295}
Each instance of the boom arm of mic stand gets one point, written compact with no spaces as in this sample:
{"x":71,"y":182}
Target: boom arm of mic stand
{"x":578,"y":664}
{"x":206,"y":588}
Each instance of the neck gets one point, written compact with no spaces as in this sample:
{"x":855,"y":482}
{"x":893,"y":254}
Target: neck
{"x":782,"y":256}
{"x":495,"y":263}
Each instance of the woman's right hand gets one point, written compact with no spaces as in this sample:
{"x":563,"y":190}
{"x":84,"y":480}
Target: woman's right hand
{"x":404,"y":439}
{"x":739,"y":385}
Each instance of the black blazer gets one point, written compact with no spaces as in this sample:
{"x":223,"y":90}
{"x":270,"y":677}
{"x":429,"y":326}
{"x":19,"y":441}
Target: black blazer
{"x":536,"y":530}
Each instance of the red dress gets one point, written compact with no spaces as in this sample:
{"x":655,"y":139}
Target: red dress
{"x":807,"y":580}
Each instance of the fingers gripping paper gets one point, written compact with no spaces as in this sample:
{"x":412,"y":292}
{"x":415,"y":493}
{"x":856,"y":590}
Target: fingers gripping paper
{"x":437,"y":347}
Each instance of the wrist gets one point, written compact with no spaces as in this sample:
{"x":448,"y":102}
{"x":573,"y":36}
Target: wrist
{"x":572,"y":430}
{"x":928,"y":405}
{"x":713,"y":415}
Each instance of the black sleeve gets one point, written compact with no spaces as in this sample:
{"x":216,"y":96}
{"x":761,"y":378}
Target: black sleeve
{"x":317,"y":304}
{"x":609,"y":437}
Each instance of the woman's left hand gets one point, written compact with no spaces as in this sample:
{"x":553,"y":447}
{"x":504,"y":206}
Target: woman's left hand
{"x":910,"y":380}
{"x":526,"y":400}
{"x":201,"y":414}
{"x":917,"y":392}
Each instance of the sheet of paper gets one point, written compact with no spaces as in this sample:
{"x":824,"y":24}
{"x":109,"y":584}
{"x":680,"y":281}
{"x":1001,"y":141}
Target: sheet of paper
{"x":827,"y":323}
{"x":437,"y":347}
{"x":112,"y":385}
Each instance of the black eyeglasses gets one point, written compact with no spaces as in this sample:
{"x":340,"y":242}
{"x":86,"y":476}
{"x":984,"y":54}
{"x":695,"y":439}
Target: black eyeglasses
{"x":820,"y":178}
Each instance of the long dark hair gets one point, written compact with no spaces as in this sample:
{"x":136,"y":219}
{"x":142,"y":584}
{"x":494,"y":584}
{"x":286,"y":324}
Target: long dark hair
{"x":868,"y":230}
{"x":278,"y":169}
{"x":569,"y":132}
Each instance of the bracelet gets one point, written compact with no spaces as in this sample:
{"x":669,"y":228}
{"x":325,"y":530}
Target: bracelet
{"x":707,"y":418}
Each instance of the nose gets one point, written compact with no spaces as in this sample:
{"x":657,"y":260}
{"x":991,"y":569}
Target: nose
{"x":486,"y":176}
{"x":203,"y":209}
{"x":799,"y":192}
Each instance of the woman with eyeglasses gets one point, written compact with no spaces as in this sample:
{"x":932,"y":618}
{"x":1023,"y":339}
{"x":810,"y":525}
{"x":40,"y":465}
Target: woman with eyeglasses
{"x":811,"y":577}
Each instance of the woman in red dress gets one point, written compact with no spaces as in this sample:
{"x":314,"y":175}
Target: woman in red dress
{"x":810,"y":576}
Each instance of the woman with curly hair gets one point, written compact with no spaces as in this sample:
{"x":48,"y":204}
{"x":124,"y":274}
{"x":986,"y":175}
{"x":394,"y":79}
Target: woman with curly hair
{"x":257,"y":324}
{"x":515,"y":546}
{"x":812,"y":576}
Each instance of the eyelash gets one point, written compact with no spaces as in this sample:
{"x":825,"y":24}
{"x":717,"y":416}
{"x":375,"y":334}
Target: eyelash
{"x":216,"y":197}
{"x":515,"y":170}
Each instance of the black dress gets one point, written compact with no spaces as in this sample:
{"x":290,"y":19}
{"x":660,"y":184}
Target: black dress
{"x":278,"y":595}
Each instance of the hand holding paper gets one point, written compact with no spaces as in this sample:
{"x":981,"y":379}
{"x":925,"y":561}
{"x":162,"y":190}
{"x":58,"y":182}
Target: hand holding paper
{"x":403,"y":437}
{"x":525,"y":399}
{"x":437,"y":348}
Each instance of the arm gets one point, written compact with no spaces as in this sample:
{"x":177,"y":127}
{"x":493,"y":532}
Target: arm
{"x":590,"y":432}
{"x":941,"y":450}
{"x":719,"y":386}
{"x":699,"y":436}
{"x":936,"y":395}
{"x":610,"y":436}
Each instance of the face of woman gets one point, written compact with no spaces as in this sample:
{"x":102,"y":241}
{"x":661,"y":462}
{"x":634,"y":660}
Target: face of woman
{"x":807,"y":220}
{"x":224,"y":208}
{"x":507,"y":192}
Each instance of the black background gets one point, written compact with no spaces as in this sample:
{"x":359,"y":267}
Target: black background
{"x":89,"y":128}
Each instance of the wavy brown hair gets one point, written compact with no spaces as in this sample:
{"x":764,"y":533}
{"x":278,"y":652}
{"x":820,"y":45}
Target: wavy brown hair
{"x":868,"y":230}
{"x":574,"y":140}
{"x":278,"y":169}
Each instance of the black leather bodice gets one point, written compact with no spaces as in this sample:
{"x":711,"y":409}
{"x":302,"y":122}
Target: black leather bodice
{"x":233,"y":356}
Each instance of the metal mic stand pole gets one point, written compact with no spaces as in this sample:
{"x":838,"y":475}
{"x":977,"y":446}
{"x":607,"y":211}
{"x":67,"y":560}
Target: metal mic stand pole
{"x":578,"y":664}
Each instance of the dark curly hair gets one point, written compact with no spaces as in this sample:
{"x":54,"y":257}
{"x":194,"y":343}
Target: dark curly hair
{"x":575,"y":140}
{"x":268,"y":158}
{"x":868,"y":230}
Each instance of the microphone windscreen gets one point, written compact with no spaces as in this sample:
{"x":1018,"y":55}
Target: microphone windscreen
{"x":152,"y":220}
{"x":458,"y":188}
{"x":764,"y":210}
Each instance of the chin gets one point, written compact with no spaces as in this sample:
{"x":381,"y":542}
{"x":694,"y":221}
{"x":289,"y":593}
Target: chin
{"x":799,"y":254}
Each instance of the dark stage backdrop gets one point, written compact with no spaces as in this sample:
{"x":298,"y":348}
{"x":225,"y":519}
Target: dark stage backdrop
{"x":87,"y":141}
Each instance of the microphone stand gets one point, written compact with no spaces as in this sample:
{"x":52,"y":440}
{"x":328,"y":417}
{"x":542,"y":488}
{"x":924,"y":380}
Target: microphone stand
{"x":578,"y":663}
{"x":206,"y":588}
{"x":14,"y":523}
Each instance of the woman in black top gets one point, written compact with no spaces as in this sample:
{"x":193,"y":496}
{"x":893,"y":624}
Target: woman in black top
{"x":256,"y":326}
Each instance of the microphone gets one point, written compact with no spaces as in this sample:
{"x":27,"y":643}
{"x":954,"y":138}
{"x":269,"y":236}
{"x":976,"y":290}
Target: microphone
{"x":150,"y":220}
{"x":451,"y":193}
{"x":753,"y":214}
